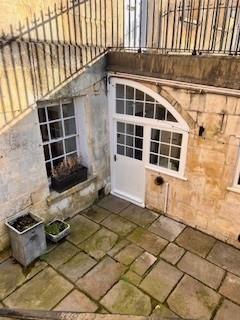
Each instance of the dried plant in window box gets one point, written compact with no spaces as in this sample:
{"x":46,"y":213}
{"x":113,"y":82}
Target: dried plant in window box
{"x":67,"y":174}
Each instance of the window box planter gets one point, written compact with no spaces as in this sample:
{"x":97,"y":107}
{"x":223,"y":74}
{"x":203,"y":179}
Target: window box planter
{"x":57,"y":230}
{"x":27,"y":236}
{"x":64,"y":183}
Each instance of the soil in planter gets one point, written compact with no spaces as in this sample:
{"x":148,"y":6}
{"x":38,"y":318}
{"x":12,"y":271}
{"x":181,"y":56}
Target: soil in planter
{"x":55,"y":227}
{"x":23,"y":223}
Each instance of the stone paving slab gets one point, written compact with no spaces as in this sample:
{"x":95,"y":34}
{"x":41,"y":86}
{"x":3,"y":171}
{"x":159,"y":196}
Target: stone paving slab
{"x":113,"y":204}
{"x":42,"y":292}
{"x":5,"y":254}
{"x":96,"y":213}
{"x":60,"y":254}
{"x":143,"y":263}
{"x":228,"y":311}
{"x":119,"y":225}
{"x":196,"y":241}
{"x":101,"y":278}
{"x":127,"y":255}
{"x":161,"y":280}
{"x":119,"y":246}
{"x":77,"y":266}
{"x":81,"y":229}
{"x":226,"y":257}
{"x":231,"y":288}
{"x":100,"y":243}
{"x":76,"y":301}
{"x":201,"y":269}
{"x":193,"y":300}
{"x":166,"y":228}
{"x":137,"y":303}
{"x":132,"y":277}
{"x":148,"y":241}
{"x":162,"y":311}
{"x":172,"y":253}
{"x":140,"y":216}
{"x":12,"y":275}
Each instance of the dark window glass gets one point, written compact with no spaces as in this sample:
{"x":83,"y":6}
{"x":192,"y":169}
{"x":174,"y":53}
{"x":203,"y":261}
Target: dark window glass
{"x":160,"y":112}
{"x":130,"y":128}
{"x":57,"y":161}
{"x":174,"y":164}
{"x":153,"y":159}
{"x":46,"y":152}
{"x":56,"y":129}
{"x":120,"y":106}
{"x":129,"y":93}
{"x":175,"y":152}
{"x":42,"y":115}
{"x":120,"y":91}
{"x":49,"y":169}
{"x":138,"y":154}
{"x":163,"y":162}
{"x":68,"y":110}
{"x":120,"y":138}
{"x":154,"y":147}
{"x":139,"y":109}
{"x":239,"y":180}
{"x":54,"y":113}
{"x":121,"y":127}
{"x":149,"y":110}
{"x":155,"y":134}
{"x":57,"y":149}
{"x":139,"y":131}
{"x":129,"y":152}
{"x":164,"y":149}
{"x":165,"y":136}
{"x":177,"y":139}
{"x":70,"y":145}
{"x":138,"y":143}
{"x":70,"y":127}
{"x":120,"y":149}
{"x":44,"y":132}
{"x":149,"y":98}
{"x":170,"y":117}
{"x":139,"y":95}
{"x":129,"y":141}
{"x":129,"y":107}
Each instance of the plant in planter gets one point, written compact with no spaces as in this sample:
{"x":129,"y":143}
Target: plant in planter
{"x":57,"y":230}
{"x":67,"y":174}
{"x":27,"y":237}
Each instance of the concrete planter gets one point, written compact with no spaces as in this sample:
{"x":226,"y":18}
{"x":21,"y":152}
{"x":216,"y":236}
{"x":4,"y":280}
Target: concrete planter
{"x":29,"y":244}
{"x":62,"y":234}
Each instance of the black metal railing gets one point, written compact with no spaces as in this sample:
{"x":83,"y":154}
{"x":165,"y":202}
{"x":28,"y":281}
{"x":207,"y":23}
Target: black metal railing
{"x":38,"y":56}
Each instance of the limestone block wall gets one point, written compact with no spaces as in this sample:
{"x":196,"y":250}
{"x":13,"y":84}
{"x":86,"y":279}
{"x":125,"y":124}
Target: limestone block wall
{"x":203,"y":199}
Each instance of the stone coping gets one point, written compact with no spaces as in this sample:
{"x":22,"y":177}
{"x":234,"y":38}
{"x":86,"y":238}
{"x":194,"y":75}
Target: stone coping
{"x":55,"y":196}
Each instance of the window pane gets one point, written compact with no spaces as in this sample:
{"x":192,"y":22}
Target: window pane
{"x":44,"y":132}
{"x":153,"y":159}
{"x":129,"y":93}
{"x":239,"y":180}
{"x":174,"y":165}
{"x":149,"y":110}
{"x":155,"y":134}
{"x":42,"y":115}
{"x":56,"y":129}
{"x":120,"y":149}
{"x":149,"y":98}
{"x":70,"y":127}
{"x":138,"y":154}
{"x":120,"y":138}
{"x":163,"y":162}
{"x":139,"y":109}
{"x":175,"y":152}
{"x":68,"y":110}
{"x":120,"y":91}
{"x":57,"y":149}
{"x":164,"y":149}
{"x":139,"y":95}
{"x":170,"y":117}
{"x":165,"y":136}
{"x":120,"y":106}
{"x":46,"y":152}
{"x":139,"y":131}
{"x":130,"y":129}
{"x":121,"y":127}
{"x":138,"y":143}
{"x":160,"y":112}
{"x":70,"y":145}
{"x":154,"y":147}
{"x":129,"y":152}
{"x":54,"y":113}
{"x":177,"y":139}
{"x":129,"y":107}
{"x":129,"y":141}
{"x":57,"y":161}
{"x":49,"y":169}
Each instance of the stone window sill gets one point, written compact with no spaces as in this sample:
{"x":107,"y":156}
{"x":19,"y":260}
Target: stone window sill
{"x":234,"y":189}
{"x":55,"y":196}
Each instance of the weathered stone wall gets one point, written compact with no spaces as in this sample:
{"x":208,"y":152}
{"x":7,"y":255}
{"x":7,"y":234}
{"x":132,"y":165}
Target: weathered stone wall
{"x":203,"y":200}
{"x":23,"y":178}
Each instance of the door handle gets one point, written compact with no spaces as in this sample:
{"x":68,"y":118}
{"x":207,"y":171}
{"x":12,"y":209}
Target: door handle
{"x":115,"y":158}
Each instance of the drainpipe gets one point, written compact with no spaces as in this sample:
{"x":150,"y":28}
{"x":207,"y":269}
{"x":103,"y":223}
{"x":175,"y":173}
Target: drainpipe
{"x":166,"y":198}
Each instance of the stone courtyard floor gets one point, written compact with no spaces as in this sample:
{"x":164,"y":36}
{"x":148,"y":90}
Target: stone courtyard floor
{"x":123,"y":259}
